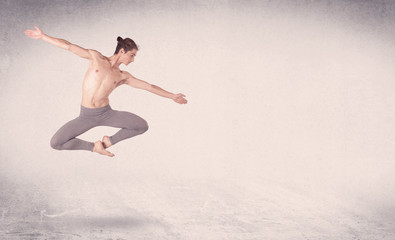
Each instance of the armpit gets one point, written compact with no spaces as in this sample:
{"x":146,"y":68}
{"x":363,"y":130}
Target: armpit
{"x":121,"y":82}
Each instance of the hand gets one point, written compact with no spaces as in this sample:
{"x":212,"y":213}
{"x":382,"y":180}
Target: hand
{"x":179,"y":98}
{"x":35,"y":34}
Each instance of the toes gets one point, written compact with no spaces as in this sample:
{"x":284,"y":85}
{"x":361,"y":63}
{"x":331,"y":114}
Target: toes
{"x":109,"y":154}
{"x":100,"y":148}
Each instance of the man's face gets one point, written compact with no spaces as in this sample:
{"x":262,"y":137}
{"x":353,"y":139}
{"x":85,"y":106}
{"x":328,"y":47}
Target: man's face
{"x":128,"y":57}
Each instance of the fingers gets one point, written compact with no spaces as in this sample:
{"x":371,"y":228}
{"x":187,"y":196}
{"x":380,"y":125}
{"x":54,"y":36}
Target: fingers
{"x":181,"y":97}
{"x":181,"y":100}
{"x":36,"y":34}
{"x":33,"y":31}
{"x":29,"y":33}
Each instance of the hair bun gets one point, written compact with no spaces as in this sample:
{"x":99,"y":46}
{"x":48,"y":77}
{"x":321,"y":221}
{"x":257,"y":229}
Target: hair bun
{"x":119,"y":39}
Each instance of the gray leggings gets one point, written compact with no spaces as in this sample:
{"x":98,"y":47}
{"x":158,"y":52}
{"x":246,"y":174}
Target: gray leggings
{"x":65,"y":137}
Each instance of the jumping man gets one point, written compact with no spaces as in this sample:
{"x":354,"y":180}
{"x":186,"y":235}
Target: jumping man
{"x":102,"y":77}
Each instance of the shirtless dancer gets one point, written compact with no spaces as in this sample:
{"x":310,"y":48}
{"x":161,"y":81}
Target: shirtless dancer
{"x":102,"y":77}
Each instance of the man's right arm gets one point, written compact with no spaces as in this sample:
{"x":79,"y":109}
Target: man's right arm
{"x":38,"y":34}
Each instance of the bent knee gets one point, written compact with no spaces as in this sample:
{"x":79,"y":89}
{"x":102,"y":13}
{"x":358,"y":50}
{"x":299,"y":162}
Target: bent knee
{"x":141,"y":127}
{"x":55,"y":144}
{"x":144,"y":127}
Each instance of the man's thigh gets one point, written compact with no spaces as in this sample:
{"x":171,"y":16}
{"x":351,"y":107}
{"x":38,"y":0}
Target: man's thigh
{"x":74,"y":128}
{"x":122,"y":119}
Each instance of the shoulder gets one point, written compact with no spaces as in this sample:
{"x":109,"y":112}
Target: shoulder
{"x":126,"y":75}
{"x":95,"y":54}
{"x":96,"y":57}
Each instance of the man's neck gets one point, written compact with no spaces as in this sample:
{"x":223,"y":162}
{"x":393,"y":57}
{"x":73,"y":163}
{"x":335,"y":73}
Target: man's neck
{"x":114,"y":60}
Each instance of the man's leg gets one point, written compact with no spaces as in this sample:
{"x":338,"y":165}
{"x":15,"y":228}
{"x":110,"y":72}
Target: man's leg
{"x":65,"y":137}
{"x":130,"y":123}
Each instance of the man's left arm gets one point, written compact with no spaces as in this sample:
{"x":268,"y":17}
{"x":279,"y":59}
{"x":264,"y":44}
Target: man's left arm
{"x":138,"y":83}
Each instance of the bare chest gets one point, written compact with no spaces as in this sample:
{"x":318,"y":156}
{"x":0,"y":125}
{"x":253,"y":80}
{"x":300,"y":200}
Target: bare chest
{"x":102,"y":76}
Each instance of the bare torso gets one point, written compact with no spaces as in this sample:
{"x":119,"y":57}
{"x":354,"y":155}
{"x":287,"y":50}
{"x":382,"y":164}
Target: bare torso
{"x":100,"y":80}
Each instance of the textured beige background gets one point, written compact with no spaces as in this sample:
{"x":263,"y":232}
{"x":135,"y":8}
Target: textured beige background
{"x":294,"y":91}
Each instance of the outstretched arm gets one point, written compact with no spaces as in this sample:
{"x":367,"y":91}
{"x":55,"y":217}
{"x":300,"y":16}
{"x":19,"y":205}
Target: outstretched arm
{"x":38,"y":34}
{"x":137,"y":83}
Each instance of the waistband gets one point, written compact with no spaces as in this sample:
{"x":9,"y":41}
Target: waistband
{"x":94,"y":111}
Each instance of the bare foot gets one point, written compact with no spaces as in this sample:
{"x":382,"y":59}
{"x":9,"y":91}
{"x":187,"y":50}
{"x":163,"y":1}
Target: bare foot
{"x":99,"y":148}
{"x":106,"y":142}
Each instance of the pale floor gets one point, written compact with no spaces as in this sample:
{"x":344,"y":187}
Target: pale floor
{"x":184,"y":208}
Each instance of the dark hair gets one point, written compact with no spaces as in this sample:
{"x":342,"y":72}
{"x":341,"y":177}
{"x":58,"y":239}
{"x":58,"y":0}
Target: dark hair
{"x":127,"y":44}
